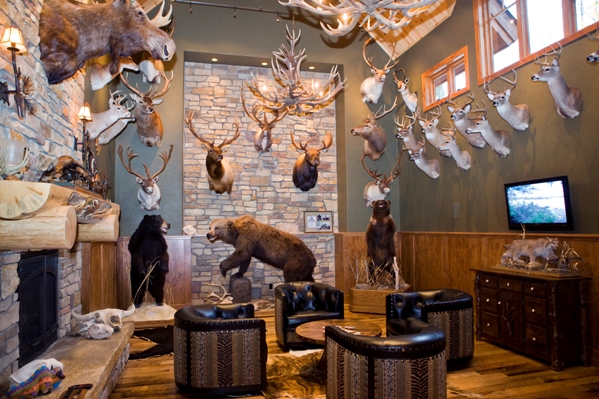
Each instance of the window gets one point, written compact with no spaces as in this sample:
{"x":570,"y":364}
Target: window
{"x":447,"y":78}
{"x":510,"y":33}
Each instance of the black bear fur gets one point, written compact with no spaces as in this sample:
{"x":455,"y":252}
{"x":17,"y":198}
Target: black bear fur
{"x":379,"y":236}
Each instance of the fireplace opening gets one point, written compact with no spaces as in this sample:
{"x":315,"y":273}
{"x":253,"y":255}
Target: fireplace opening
{"x":38,"y":303}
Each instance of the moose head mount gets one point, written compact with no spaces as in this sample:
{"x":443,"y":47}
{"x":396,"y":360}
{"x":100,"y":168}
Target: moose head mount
{"x":305,"y":170}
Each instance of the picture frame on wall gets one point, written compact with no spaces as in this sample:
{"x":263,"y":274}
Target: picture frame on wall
{"x":318,"y":222}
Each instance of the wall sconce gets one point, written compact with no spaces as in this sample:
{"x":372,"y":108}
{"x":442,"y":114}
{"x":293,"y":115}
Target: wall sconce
{"x":12,"y":40}
{"x":85,"y":116}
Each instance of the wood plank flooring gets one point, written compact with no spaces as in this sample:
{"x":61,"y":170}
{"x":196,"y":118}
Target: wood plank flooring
{"x":495,"y":372}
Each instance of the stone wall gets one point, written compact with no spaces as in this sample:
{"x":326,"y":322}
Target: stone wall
{"x":263,"y":186}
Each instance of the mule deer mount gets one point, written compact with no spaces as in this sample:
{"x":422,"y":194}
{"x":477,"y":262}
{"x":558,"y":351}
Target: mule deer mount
{"x":375,"y":142}
{"x":305,"y":170}
{"x":431,"y":167}
{"x":263,"y":136}
{"x":568,"y":100}
{"x":498,"y":140}
{"x":410,"y":99}
{"x":149,"y":124}
{"x":381,"y":187}
{"x":461,"y":119}
{"x":372,"y":87}
{"x":148,"y":195}
{"x":220,"y":173}
{"x":518,"y":116}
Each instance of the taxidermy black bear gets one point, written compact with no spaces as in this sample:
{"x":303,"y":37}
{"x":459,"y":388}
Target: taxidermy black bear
{"x":275,"y":247}
{"x":149,"y":255}
{"x":379,"y":236}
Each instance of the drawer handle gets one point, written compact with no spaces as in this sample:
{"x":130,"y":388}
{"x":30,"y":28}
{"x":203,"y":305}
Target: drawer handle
{"x":488,"y":324}
{"x":534,"y":338}
{"x":487,"y":280}
{"x":488,"y":299}
{"x":533,"y":310}
{"x":499,"y":302}
{"x":532,"y":288}
{"x":508,"y":284}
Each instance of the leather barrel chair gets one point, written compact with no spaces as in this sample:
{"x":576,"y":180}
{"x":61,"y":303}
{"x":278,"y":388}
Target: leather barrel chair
{"x":300,"y":302}
{"x":409,"y":365}
{"x":447,"y":309}
{"x":220,"y":349}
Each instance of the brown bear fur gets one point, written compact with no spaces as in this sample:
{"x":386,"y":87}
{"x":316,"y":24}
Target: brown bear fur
{"x":265,"y":243}
{"x":379,"y":236}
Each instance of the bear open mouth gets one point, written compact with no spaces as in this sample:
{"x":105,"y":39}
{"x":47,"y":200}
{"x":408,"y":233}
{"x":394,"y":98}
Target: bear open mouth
{"x":164,"y":230}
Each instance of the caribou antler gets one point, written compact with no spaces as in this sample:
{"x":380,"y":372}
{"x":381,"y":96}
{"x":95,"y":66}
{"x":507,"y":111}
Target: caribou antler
{"x":130,"y":156}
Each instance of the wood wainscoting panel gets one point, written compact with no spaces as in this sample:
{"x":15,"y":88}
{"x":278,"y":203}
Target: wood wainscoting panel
{"x":98,"y":276}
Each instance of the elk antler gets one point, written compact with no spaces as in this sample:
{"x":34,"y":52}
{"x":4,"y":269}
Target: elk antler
{"x":371,"y":172}
{"x":167,"y":85}
{"x":254,"y":114}
{"x":135,"y":90}
{"x":130,"y":156}
{"x":165,"y":158}
{"x":378,"y":114}
{"x":189,"y":123}
{"x":231,"y":140}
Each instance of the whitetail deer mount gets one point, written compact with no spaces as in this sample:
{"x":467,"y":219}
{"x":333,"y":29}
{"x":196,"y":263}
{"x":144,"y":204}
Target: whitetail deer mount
{"x":220,"y":173}
{"x":498,"y":140}
{"x":518,"y":116}
{"x":112,"y":131}
{"x":461,"y":157}
{"x":432,"y":133}
{"x":103,"y":120}
{"x":372,"y":86}
{"x":100,"y":75}
{"x":381,"y":187}
{"x":263,"y":136}
{"x":375,"y":142}
{"x":405,"y":130}
{"x":568,"y":100}
{"x":594,"y":56}
{"x":149,"y":124}
{"x":410,"y":99}
{"x":148,"y":194}
{"x":461,"y":119}
{"x":431,"y":167}
{"x":305,"y":170}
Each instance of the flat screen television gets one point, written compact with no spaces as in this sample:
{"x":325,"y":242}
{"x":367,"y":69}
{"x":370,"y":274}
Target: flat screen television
{"x":541,"y":204}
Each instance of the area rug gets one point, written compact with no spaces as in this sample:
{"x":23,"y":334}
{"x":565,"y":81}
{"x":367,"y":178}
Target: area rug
{"x":163,"y":339}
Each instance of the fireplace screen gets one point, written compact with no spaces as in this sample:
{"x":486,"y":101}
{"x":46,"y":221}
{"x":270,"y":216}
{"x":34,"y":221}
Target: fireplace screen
{"x":38,"y":303}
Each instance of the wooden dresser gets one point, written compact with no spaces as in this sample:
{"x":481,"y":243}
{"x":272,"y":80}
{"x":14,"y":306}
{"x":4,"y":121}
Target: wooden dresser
{"x":542,"y":316}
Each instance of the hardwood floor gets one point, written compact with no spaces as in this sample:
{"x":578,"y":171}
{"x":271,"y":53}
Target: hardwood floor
{"x":495,"y":372}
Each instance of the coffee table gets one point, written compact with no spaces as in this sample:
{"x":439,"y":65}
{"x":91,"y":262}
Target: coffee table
{"x":313,"y":332}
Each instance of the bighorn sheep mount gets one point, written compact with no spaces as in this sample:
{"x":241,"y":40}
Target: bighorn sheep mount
{"x":372,"y":86}
{"x":305,"y":170}
{"x":120,"y":28}
{"x":568,"y":100}
{"x":149,"y":124}
{"x":375,"y":142}
{"x":263,"y":136}
{"x":148,"y":195}
{"x":220,"y":174}
{"x":380,"y":188}
{"x":518,"y":116}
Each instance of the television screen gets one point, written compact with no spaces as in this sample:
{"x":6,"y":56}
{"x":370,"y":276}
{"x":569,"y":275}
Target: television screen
{"x":542,"y":204}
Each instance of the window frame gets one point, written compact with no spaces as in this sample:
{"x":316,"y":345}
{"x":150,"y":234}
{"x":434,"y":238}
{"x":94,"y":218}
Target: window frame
{"x":482,"y":36}
{"x":445,"y":67}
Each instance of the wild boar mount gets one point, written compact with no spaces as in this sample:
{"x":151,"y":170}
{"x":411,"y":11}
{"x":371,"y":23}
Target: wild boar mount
{"x":148,"y":195}
{"x":305,"y":170}
{"x":72,"y":33}
{"x":220,"y":173}
{"x":149,"y":124}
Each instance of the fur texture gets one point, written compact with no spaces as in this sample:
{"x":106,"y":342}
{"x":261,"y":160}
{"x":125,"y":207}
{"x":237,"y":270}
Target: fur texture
{"x":379,"y":236}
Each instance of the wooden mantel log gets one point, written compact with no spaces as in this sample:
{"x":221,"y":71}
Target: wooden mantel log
{"x":54,"y":228}
{"x":22,"y":199}
{"x":107,"y":230}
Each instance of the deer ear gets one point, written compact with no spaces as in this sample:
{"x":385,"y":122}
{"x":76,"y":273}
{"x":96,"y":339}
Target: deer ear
{"x":206,"y":147}
{"x":157,"y":101}
{"x":421,"y":122}
{"x":156,"y":179}
{"x":491,"y":96}
{"x":435,"y":121}
{"x":450,"y":108}
{"x":134,"y":96}
{"x":406,"y":80}
{"x":467,"y":108}
{"x":508,"y":92}
{"x":139,"y":181}
{"x":555,"y":63}
{"x":324,"y":150}
{"x":372,"y":70}
{"x":227,"y":148}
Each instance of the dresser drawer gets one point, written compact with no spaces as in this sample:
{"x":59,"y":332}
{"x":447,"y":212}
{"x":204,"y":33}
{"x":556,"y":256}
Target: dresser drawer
{"x":511,"y":284}
{"x":536,"y":288}
{"x":535,"y":311}
{"x":536,"y":339}
{"x":488,"y":300}
{"x":488,"y":280}
{"x":490,"y":324}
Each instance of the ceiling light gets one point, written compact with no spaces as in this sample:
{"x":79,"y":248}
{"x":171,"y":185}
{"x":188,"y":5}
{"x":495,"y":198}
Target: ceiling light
{"x":311,"y":67}
{"x":264,"y":63}
{"x":214,"y":59}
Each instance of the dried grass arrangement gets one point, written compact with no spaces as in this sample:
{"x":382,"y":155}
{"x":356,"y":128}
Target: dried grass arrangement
{"x":373,"y":278}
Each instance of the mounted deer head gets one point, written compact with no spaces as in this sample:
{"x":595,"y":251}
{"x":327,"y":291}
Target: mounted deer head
{"x":263,"y":136}
{"x":376,"y":141}
{"x":461,"y":119}
{"x":405,"y":130}
{"x":119,"y":27}
{"x":518,"y":116}
{"x":462,"y":158}
{"x":305,"y":170}
{"x":431,"y":167}
{"x":372,"y":87}
{"x":498,"y":140}
{"x":568,"y":100}
{"x":220,"y":174}
{"x":594,"y":56}
{"x":381,"y":187}
{"x":103,"y":120}
{"x":431,"y":132}
{"x":148,"y":194}
{"x":149,"y":123}
{"x":410,"y":99}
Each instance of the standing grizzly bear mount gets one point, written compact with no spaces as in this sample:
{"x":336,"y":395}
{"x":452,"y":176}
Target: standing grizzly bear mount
{"x":265,"y":243}
{"x":379,"y":237}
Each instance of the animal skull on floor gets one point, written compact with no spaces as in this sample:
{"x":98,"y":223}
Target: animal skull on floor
{"x":110,"y":317}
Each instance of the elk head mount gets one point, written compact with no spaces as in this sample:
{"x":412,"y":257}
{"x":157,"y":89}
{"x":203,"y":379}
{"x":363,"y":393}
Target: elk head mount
{"x":119,"y":27}
{"x":305,"y":170}
{"x":263,"y":136}
{"x":149,"y":124}
{"x":410,"y":99}
{"x":375,"y":142}
{"x":568,"y":100}
{"x":148,"y":195}
{"x":381,"y":187}
{"x":462,"y":121}
{"x":518,"y":116}
{"x":220,"y":174}
{"x":372,"y":86}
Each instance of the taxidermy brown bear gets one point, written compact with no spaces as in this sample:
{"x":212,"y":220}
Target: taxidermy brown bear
{"x":263,"y":242}
{"x":148,"y":250}
{"x":379,"y":236}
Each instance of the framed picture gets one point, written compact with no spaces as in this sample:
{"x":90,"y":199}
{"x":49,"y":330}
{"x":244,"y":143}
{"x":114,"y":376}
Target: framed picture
{"x":318,"y":222}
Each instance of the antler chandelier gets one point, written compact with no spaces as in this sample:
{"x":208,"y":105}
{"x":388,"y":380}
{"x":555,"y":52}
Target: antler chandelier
{"x":392,"y":14}
{"x":294,"y":95}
